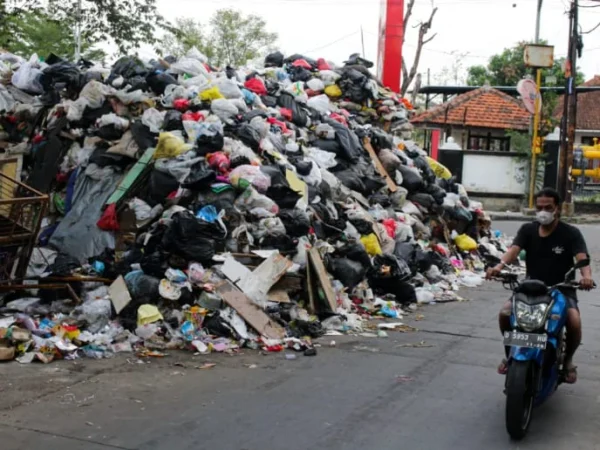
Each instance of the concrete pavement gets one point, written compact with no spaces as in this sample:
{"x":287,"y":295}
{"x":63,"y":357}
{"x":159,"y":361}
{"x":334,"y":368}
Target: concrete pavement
{"x":434,"y":389}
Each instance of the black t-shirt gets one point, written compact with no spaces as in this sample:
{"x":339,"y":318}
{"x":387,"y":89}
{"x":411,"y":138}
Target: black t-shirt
{"x":549,"y":258}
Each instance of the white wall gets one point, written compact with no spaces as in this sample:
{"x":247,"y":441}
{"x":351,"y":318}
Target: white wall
{"x":485,"y":173}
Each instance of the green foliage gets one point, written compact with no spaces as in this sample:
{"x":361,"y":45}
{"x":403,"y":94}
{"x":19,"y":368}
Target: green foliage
{"x":232,"y":38}
{"x":519,"y":142}
{"x":129,"y":23}
{"x":508,"y":67}
{"x":39,"y":33}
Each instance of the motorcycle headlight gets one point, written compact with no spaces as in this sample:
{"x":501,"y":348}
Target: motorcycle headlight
{"x":530,"y":317}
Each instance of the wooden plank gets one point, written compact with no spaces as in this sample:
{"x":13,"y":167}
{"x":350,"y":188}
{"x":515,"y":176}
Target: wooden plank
{"x":323,"y":278}
{"x":390,"y":183}
{"x":251,"y":313}
{"x":257,"y":283}
{"x":289,"y":283}
{"x":278,"y":295}
{"x":310,"y":288}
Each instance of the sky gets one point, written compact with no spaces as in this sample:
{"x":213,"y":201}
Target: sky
{"x":475,"y":29}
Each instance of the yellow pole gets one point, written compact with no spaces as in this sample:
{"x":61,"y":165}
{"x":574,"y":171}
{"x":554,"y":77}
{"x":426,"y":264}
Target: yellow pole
{"x":535,"y":147}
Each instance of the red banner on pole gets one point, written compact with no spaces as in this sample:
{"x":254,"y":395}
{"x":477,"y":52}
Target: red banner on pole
{"x":391,"y":33}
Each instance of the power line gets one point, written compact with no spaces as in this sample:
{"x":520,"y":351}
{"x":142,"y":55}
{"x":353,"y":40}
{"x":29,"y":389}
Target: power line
{"x":332,"y":42}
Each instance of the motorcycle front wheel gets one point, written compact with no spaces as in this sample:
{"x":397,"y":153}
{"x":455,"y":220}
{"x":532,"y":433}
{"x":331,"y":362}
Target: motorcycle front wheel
{"x":519,"y":398}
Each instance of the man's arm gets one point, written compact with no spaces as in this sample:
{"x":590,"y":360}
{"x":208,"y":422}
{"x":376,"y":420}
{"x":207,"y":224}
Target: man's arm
{"x":581,"y":253}
{"x":512,"y":254}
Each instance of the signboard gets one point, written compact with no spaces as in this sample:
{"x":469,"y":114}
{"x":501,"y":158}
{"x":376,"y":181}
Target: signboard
{"x":391,"y":32}
{"x":528,"y":92}
{"x":539,"y":56}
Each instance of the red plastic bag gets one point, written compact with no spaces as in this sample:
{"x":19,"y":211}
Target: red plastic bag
{"x":218,"y":161}
{"x":302,"y":63}
{"x":256,"y":86}
{"x":322,"y":64}
{"x":339,"y":118}
{"x":193,"y":116}
{"x":278,"y":123}
{"x":286,"y":114}
{"x":181,"y":104}
{"x":108,"y":221}
{"x":390,"y":227}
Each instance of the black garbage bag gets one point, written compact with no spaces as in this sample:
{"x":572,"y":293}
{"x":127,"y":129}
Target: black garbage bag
{"x":354,"y":252}
{"x":423,"y":199}
{"x":362,"y":226}
{"x":296,"y":222}
{"x":102,"y":158}
{"x":209,"y":143}
{"x":299,"y":74}
{"x":64,"y":265}
{"x":230,"y":73}
{"x":282,"y":242}
{"x":274,"y":59}
{"x":380,"y":139}
{"x":269,"y":101}
{"x":328,"y":145}
{"x":143,"y":137}
{"x":154,"y":264}
{"x":275,"y":173}
{"x":160,"y":186}
{"x":387,"y":273}
{"x":437,"y":193}
{"x":172,"y":121}
{"x":411,"y":180}
{"x":62,"y":72}
{"x":216,"y":325}
{"x":351,"y":146}
{"x":405,"y":293}
{"x":109,"y":133}
{"x":249,"y":136}
{"x":373,"y":184}
{"x":380,"y":199}
{"x":351,"y":180}
{"x":297,"y":56}
{"x":356,"y":59}
{"x":138,"y":83}
{"x":200,"y":177}
{"x":444,"y":263}
{"x":427,"y":172}
{"x":423,"y":260}
{"x":158,"y":81}
{"x":349,"y":272}
{"x":127,"y":67}
{"x":142,"y":287}
{"x":283,"y":195}
{"x":220,"y":200}
{"x":407,"y":252}
{"x":247,"y":117}
{"x":299,"y":116}
{"x":191,"y":238}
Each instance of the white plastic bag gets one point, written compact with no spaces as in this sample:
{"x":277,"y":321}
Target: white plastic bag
{"x":7,"y":102}
{"x":153,"y":119}
{"x":320,"y":103}
{"x":325,"y":160}
{"x":229,"y":88}
{"x":189,"y":66}
{"x":194,"y":53}
{"x":27,"y":77}
{"x":315,"y":84}
{"x":120,"y":123}
{"x":243,"y":176}
{"x":223,"y":109}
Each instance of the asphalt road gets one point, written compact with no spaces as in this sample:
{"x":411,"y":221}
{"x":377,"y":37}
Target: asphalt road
{"x":434,"y":389}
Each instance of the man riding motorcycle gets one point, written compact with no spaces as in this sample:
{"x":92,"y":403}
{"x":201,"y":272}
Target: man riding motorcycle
{"x":550,"y":245}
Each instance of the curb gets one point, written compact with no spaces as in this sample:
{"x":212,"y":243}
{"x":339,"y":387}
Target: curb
{"x":518,"y":217}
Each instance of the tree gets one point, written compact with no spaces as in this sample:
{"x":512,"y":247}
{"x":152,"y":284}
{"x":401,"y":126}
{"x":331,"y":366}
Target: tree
{"x":408,"y":75}
{"x":128,"y":23}
{"x":455,"y":74}
{"x":508,"y":67}
{"x":231,"y":38}
{"x":39,"y":33}
{"x":187,"y":34}
{"x":237,"y":39}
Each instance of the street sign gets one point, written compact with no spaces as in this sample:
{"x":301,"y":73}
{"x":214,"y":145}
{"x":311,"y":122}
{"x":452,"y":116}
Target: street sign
{"x":540,"y":56}
{"x":528,"y":92}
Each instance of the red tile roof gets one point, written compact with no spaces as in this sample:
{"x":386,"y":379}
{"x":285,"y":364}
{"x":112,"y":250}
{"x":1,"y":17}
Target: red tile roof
{"x":483,"y":108}
{"x":588,"y":107}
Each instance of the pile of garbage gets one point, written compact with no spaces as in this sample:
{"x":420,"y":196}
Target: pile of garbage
{"x":209,"y":210}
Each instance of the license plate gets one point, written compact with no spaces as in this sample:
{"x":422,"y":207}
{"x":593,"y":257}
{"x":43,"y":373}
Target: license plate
{"x":518,"y":339}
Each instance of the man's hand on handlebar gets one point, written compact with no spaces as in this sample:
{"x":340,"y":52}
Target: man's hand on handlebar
{"x":493,"y":272}
{"x":586,"y":283}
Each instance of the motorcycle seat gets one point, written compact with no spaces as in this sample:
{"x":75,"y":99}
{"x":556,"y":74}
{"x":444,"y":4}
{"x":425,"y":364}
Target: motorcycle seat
{"x":532,"y":288}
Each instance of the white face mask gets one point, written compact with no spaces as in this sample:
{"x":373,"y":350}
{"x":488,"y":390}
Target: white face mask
{"x":544,"y":217}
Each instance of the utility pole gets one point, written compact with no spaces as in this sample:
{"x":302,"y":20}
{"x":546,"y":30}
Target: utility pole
{"x":569,"y":122}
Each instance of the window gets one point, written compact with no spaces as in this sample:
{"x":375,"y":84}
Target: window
{"x":487,"y":142}
{"x":589,"y":140}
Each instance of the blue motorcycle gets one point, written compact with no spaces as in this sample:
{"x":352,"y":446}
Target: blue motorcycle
{"x":537,"y":346}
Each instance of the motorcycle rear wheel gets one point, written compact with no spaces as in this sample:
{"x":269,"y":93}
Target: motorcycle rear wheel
{"x":519,"y":398}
